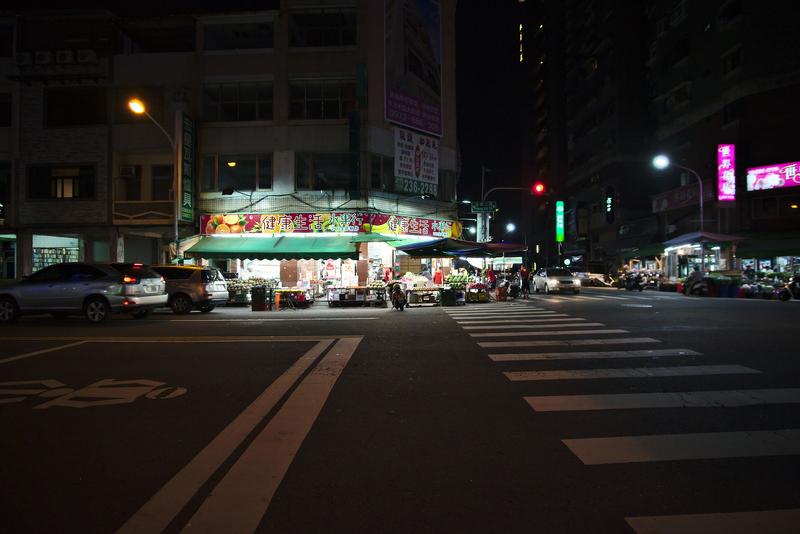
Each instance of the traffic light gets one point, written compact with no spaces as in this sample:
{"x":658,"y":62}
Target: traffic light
{"x":610,"y":204}
{"x":538,"y":189}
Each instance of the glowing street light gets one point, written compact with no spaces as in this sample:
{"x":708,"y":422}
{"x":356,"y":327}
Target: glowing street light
{"x":137,"y":106}
{"x":473,"y":230}
{"x":510,"y":227}
{"x":661,"y":162}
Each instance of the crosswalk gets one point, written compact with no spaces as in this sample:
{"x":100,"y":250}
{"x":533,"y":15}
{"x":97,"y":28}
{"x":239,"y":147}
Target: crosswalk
{"x":547,"y":336}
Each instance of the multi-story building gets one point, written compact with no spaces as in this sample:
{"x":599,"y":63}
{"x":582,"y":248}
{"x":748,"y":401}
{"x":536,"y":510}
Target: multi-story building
{"x":281,"y":118}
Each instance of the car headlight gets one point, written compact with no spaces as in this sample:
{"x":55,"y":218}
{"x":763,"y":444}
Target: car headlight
{"x":576,"y":282}
{"x":554,"y":282}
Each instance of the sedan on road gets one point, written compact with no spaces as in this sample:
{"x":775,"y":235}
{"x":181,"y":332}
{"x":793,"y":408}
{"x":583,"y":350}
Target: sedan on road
{"x":93,"y":290}
{"x":556,"y":280}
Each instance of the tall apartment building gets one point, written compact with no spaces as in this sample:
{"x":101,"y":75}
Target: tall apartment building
{"x":293,"y":111}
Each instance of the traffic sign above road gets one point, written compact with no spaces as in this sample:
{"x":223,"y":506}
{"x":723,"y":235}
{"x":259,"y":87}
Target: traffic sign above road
{"x":484,"y":206}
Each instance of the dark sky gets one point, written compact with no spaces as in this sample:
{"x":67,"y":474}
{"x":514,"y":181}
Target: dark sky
{"x":487,"y":41}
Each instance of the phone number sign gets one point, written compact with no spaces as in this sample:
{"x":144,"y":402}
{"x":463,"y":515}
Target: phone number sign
{"x":416,"y":163}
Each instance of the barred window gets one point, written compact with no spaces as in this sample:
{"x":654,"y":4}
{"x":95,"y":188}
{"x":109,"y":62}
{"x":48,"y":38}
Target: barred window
{"x":335,"y":28}
{"x":236,"y":171}
{"x":230,"y":102}
{"x":321,"y":99}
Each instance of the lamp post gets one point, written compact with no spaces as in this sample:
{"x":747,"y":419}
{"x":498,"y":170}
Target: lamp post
{"x":661,"y":162}
{"x":138,"y":107}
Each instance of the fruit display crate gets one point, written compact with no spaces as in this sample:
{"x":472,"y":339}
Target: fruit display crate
{"x":357,"y":296}
{"x":477,"y":295}
{"x":422,"y":296}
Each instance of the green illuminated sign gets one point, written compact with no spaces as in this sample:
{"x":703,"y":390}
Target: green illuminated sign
{"x":560,"y":221}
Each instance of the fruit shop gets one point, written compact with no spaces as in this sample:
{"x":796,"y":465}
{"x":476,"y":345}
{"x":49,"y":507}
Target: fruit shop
{"x":339,"y":256}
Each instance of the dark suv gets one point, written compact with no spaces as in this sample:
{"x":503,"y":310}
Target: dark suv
{"x":193,"y":287}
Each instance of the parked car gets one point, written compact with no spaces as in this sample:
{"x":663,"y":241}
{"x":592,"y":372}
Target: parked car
{"x":193,"y":287}
{"x":93,"y":290}
{"x":556,"y":279}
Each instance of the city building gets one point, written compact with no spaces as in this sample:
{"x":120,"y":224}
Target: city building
{"x":282,"y":118}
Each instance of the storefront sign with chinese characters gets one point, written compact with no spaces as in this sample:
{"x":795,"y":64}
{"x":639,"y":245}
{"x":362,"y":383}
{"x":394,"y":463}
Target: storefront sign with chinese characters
{"x":681,"y":197}
{"x":773,"y":176}
{"x":726,"y":173}
{"x":299,"y":223}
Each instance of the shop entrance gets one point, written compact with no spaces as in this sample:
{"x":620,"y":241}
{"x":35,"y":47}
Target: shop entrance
{"x":8,"y":256}
{"x":50,"y":249}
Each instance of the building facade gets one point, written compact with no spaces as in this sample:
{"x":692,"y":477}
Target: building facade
{"x":286,"y":110}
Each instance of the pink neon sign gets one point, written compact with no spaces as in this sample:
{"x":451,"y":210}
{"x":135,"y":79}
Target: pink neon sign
{"x":726,"y":172}
{"x":773,"y":177}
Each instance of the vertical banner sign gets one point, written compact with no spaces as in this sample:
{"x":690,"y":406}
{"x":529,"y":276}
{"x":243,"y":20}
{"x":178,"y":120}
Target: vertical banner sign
{"x":560,"y":221}
{"x":186,"y":165}
{"x":726,"y":173}
{"x":416,"y":163}
{"x":413,"y":63}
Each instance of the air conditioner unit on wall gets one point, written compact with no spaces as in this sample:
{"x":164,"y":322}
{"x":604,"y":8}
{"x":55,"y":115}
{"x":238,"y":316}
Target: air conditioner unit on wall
{"x":24,"y":58}
{"x":127,"y":171}
{"x":87,"y":56}
{"x":65,"y":56}
{"x":44,"y":57}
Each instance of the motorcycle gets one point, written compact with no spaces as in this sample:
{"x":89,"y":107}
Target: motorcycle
{"x":790,"y":290}
{"x":699,"y":288}
{"x":398,"y":297}
{"x":635,"y":281}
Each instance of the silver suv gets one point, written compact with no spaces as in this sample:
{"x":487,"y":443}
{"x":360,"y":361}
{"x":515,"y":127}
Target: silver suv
{"x":193,"y":287}
{"x":93,"y":290}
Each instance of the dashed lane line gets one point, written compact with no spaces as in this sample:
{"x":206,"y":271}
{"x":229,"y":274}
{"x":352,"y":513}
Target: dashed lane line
{"x":557,"y":317}
{"x":567,"y":342}
{"x":630,"y":372}
{"x":532,"y":326}
{"x":590,"y":355}
{"x":38,"y":352}
{"x":552,"y":333}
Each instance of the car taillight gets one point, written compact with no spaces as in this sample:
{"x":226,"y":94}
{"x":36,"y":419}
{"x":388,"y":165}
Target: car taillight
{"x":129,"y":280}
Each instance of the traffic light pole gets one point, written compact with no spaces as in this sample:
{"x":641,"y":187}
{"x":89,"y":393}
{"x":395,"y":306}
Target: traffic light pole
{"x":483,"y":218}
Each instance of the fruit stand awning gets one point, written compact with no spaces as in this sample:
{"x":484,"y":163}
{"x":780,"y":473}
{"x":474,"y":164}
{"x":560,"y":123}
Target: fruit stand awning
{"x":442,"y":248}
{"x":645,"y":251}
{"x":371,"y":237}
{"x":280,"y":248}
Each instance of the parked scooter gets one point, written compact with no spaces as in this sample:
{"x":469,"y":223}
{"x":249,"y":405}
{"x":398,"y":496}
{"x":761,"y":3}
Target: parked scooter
{"x":790,"y":290}
{"x":635,"y":281}
{"x":398,"y":297}
{"x":699,"y":288}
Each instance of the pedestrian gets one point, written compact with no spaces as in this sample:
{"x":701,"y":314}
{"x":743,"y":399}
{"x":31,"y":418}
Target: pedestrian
{"x":525,"y":279}
{"x":438,"y":278}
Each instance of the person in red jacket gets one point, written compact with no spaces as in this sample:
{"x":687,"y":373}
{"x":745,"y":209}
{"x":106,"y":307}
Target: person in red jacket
{"x":438,"y":278}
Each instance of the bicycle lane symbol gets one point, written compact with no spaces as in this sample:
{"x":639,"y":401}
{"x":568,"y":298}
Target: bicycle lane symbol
{"x":105,"y":392}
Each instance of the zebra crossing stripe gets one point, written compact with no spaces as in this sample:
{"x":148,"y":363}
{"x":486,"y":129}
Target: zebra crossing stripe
{"x":531,"y":315}
{"x":678,"y":399}
{"x":730,"y":523}
{"x":552,"y":333}
{"x":672,"y":447}
{"x":531,"y":326}
{"x":567,"y":342}
{"x":590,"y":355}
{"x":559,"y":317}
{"x":630,"y":372}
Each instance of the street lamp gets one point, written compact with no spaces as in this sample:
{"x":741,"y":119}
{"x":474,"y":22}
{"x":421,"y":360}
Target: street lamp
{"x":661,"y":162}
{"x":472,"y":230}
{"x":510,"y":227}
{"x":138,"y":107}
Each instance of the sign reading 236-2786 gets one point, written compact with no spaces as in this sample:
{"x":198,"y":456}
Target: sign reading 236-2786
{"x":415,"y":187}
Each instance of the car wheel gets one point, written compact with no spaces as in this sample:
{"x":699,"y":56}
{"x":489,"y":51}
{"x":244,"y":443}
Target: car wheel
{"x":141,"y":314}
{"x":207,"y":308}
{"x":546,"y":288}
{"x":8,"y":310}
{"x":181,"y":304}
{"x":96,"y":310}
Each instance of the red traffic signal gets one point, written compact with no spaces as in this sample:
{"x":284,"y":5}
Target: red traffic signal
{"x":538,"y":188}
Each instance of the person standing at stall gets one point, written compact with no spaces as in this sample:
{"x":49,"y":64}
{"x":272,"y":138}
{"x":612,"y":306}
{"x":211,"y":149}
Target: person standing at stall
{"x":525,"y":279}
{"x":438,"y":278}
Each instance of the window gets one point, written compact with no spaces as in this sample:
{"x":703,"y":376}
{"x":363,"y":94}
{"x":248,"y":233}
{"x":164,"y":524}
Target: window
{"x":130,"y":182}
{"x":151,"y":96}
{"x":731,"y":61}
{"x":174,"y":273}
{"x":5,"y":109}
{"x":678,"y":97}
{"x":81,"y":273}
{"x":336,"y":28}
{"x":48,"y":274}
{"x":75,"y":106}
{"x":323,"y":171}
{"x":62,"y":182}
{"x":323,"y":99}
{"x":237,"y":171}
{"x":162,"y":181}
{"x":238,"y":36}
{"x":230,"y":102}
{"x":381,"y":173}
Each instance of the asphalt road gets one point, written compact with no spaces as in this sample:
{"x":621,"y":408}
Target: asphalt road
{"x":604,"y":412}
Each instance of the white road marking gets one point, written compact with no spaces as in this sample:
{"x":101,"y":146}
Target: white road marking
{"x":501,"y":313}
{"x":766,"y":521}
{"x":531,"y":326}
{"x":552,"y":333}
{"x":671,"y":447}
{"x":631,"y":372}
{"x":250,"y":484}
{"x":42,"y":351}
{"x":161,"y":509}
{"x":547,"y":319}
{"x":636,"y":305}
{"x":568,"y":342}
{"x":678,"y":399}
{"x":529,"y":315}
{"x":296,"y":318}
{"x":590,"y":355}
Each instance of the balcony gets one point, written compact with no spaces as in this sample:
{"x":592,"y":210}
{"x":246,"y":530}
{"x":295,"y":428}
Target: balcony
{"x":143,"y":212}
